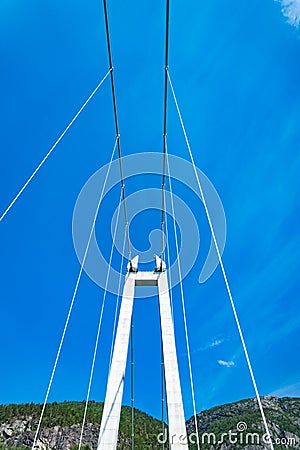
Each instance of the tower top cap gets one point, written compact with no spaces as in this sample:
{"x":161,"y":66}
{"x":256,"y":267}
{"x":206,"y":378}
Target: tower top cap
{"x":160,"y":265}
{"x":132,"y":266}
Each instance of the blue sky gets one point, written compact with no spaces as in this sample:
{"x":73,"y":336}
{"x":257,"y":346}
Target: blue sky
{"x":236,"y":70}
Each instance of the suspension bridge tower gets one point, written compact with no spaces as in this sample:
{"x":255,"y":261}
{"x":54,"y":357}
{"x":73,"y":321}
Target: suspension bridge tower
{"x":112,"y":407}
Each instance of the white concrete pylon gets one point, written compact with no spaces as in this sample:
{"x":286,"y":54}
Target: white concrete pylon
{"x":113,"y":400}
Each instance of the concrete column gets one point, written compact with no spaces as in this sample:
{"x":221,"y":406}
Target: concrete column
{"x":113,"y":401}
{"x":176,"y":421}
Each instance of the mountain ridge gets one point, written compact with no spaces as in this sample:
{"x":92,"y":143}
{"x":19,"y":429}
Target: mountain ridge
{"x":230,"y":426}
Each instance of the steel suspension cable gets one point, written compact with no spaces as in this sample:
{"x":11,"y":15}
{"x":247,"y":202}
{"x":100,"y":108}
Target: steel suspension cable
{"x":100,"y":324}
{"x":165,"y":127}
{"x":116,"y":311}
{"x":117,"y":304}
{"x":163,"y":381}
{"x":53,"y":147}
{"x":168,"y":261}
{"x":163,"y":207}
{"x":118,"y":297}
{"x":183,"y":306}
{"x":73,"y":298}
{"x":111,"y":68}
{"x":221,"y":265}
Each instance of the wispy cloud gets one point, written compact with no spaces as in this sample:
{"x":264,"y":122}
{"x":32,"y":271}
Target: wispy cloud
{"x":226,"y":363}
{"x":291,"y":10}
{"x":212,"y":344}
{"x":291,"y":390}
{"x":215,"y":343}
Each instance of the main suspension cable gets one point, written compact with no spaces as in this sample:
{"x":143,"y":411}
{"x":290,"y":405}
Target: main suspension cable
{"x":54,"y":146}
{"x":100,"y":323}
{"x":73,"y":298}
{"x":168,"y":263}
{"x":163,"y":214}
{"x":111,"y":68}
{"x":221,"y":265}
{"x":117,"y":304}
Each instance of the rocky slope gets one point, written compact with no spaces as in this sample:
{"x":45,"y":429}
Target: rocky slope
{"x":227,"y":427}
{"x":61,"y":427}
{"x":239,"y":425}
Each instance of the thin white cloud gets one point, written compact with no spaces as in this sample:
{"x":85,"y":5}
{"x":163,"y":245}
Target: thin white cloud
{"x":291,"y":390}
{"x":226,"y":363}
{"x":291,"y":10}
{"x":216,"y":342}
{"x":212,"y":344}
